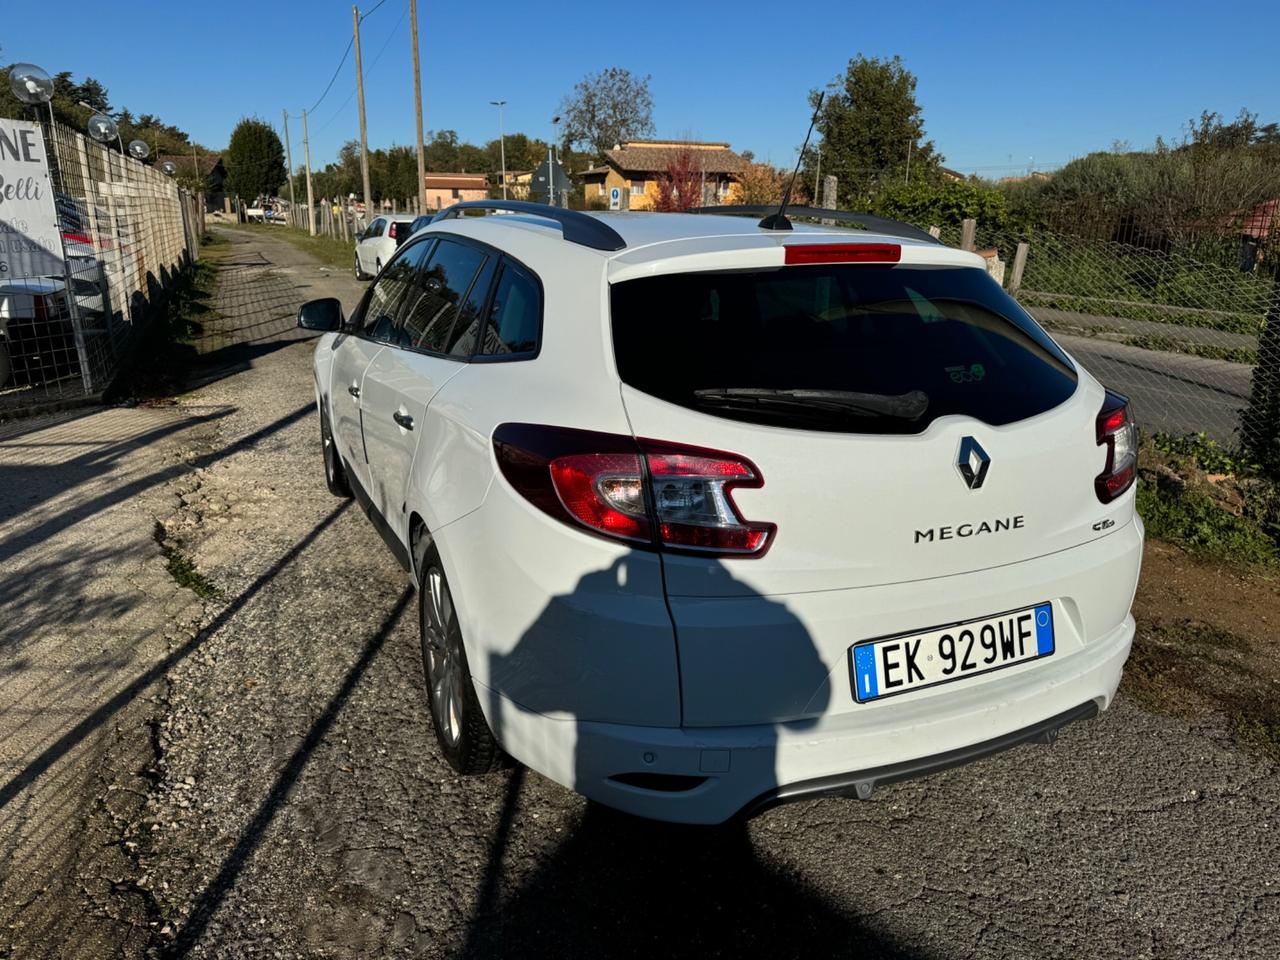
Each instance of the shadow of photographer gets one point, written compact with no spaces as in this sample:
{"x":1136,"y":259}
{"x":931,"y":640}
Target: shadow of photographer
{"x":620,"y":885}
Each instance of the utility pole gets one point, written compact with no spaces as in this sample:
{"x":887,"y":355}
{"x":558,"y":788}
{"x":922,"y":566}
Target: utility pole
{"x":417,"y":106}
{"x":288,"y":158}
{"x":817,"y":171}
{"x":364,"y":139}
{"x":306,"y":153}
{"x":551,"y":170}
{"x":909,"y":145}
{"x":502,"y":143}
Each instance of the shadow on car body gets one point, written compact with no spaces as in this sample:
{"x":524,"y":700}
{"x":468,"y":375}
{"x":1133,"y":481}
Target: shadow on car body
{"x":621,"y":885}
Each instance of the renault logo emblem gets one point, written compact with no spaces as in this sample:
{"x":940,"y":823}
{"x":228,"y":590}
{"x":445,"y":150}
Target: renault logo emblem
{"x":972,"y":463}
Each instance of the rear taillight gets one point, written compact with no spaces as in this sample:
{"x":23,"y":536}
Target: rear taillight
{"x":649,"y":493}
{"x":391,"y":230}
{"x":1118,"y":434}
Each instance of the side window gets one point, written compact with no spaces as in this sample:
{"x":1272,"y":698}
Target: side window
{"x":466,"y":331}
{"x":514,"y":315}
{"x":389,"y":293}
{"x":376,"y":228}
{"x":429,"y":317}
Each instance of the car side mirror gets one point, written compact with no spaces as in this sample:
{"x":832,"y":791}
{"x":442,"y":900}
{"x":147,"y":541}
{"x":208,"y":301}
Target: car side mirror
{"x":324,"y":314}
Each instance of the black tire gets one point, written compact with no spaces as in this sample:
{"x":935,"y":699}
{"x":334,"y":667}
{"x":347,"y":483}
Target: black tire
{"x":464,"y":736}
{"x":360,"y":274}
{"x":335,"y":471}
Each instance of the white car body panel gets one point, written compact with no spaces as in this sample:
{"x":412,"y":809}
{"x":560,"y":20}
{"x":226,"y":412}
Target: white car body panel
{"x":592,"y":658}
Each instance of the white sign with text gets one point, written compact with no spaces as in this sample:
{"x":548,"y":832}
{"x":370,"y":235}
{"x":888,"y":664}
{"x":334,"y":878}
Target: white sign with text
{"x":30,"y":245}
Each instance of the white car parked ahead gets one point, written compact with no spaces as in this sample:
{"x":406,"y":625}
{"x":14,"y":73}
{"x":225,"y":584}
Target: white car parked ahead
{"x":707,"y":516}
{"x":378,"y":244}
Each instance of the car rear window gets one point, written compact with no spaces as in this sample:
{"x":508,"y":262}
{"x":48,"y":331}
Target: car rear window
{"x":848,"y":348}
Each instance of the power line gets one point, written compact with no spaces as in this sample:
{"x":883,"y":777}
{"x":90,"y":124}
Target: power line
{"x":346,"y":53}
{"x":373,"y":63}
{"x":390,"y":37}
{"x":341,"y":62}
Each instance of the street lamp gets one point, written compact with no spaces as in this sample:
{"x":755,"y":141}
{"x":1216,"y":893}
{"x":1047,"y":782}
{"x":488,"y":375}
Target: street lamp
{"x":169,"y":167}
{"x":502,"y":143}
{"x":139,"y":150}
{"x":102,"y":127}
{"x":31,"y":84}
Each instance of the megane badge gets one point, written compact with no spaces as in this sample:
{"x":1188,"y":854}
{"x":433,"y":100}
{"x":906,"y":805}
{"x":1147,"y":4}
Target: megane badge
{"x":972,"y":463}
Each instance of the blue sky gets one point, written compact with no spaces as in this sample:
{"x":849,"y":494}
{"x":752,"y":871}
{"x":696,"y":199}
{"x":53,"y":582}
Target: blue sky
{"x":999,"y":83}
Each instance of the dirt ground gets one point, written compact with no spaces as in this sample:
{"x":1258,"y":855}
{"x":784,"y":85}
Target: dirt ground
{"x":1207,"y":643}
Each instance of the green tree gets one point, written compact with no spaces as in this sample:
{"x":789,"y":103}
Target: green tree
{"x":870,"y":122}
{"x":254,"y":160}
{"x":606,"y":108}
{"x":524,"y":153}
{"x":93,"y":93}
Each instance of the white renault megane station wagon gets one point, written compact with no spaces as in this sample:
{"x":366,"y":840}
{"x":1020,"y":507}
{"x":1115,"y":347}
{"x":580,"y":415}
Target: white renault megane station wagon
{"x":708,"y":515}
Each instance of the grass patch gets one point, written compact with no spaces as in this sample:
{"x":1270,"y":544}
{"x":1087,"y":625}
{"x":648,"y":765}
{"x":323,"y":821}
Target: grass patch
{"x":1205,"y":452}
{"x":1154,"y":312}
{"x":183,"y":569}
{"x":1208,"y":350}
{"x":336,"y":253}
{"x":1200,"y":524}
{"x":173,"y":318}
{"x":1210,"y":501}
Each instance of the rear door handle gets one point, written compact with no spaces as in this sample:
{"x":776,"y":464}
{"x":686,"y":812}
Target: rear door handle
{"x":354,"y":391}
{"x":403,"y":419}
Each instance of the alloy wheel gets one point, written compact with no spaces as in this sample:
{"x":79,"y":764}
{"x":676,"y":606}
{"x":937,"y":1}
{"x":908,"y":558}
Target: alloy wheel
{"x":445,"y":671}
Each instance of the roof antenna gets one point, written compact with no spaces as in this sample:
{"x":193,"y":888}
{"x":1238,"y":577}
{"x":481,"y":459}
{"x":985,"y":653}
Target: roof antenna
{"x":779,"y":221}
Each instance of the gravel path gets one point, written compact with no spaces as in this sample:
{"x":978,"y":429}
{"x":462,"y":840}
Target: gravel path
{"x":290,"y":801}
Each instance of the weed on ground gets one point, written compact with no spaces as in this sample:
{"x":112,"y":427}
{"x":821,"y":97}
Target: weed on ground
{"x":183,"y":569}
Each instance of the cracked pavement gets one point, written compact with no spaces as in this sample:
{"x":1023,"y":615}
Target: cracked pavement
{"x":255,"y":776}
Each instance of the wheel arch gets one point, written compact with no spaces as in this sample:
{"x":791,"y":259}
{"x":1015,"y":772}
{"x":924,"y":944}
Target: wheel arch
{"x":420,"y":541}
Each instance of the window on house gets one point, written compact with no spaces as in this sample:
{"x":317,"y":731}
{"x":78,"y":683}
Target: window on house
{"x":455,"y":193}
{"x":637,"y":187}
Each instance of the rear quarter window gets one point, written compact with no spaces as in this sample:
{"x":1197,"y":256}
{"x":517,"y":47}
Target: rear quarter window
{"x":848,"y":348}
{"x":515,"y":314}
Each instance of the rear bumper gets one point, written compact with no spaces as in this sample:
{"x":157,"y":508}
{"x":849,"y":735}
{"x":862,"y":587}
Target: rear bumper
{"x":717,"y":773}
{"x":863,"y":783}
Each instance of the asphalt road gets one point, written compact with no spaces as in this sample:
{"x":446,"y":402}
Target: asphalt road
{"x":285,"y":799}
{"x":1171,"y":392}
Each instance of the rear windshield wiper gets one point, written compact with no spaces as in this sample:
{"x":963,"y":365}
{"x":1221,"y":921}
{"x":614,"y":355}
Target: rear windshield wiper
{"x":903,"y":406}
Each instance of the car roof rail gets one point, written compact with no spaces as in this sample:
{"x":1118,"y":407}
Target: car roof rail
{"x":892,"y":228}
{"x":576,"y":227}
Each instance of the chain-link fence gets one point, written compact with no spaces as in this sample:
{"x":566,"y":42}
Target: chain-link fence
{"x":127,"y":231}
{"x":1190,"y":336}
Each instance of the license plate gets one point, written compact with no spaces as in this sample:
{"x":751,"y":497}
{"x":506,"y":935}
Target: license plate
{"x":908,"y":662}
